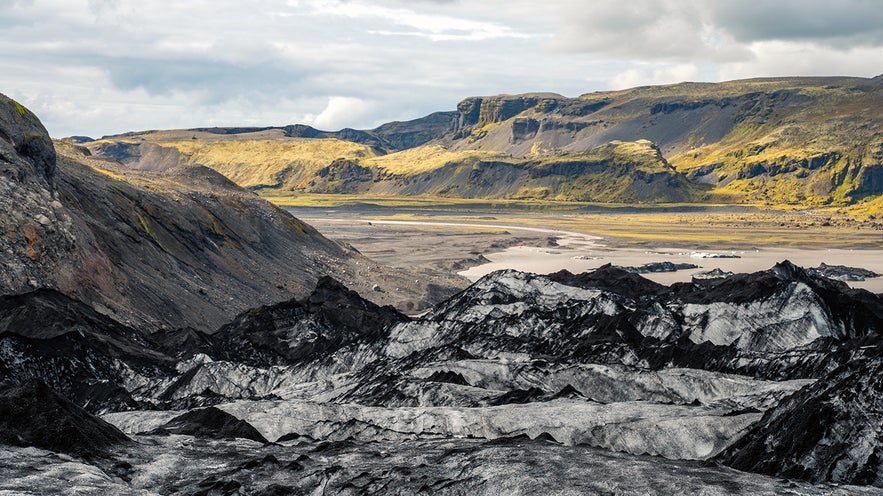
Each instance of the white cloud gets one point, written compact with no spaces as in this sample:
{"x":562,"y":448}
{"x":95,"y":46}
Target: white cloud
{"x":342,"y":111}
{"x":777,"y":58}
{"x":672,"y":30}
{"x":432,"y":26}
{"x":654,"y":75}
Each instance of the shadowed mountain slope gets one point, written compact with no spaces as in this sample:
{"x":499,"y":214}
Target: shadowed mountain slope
{"x":32,"y":414}
{"x":181,"y":247}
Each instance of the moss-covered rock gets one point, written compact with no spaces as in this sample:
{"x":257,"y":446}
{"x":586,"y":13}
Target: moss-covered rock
{"x":21,"y":130}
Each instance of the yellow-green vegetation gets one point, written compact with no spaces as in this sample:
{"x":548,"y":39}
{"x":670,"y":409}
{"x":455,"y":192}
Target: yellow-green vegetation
{"x":22,"y":111}
{"x":105,"y":172}
{"x":430,"y":203}
{"x":267,"y":162}
{"x":144,"y":224}
{"x":216,"y":228}
{"x":866,"y":209}
{"x":425,"y":159}
{"x":800,"y":141}
{"x":653,"y":228}
{"x":255,"y":163}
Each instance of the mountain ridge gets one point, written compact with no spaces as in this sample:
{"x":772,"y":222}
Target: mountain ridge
{"x":809,"y":141}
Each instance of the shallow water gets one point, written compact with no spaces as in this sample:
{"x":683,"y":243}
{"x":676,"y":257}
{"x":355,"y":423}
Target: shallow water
{"x":579,"y":253}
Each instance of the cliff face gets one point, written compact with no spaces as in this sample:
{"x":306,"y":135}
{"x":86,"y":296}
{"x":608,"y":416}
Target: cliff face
{"x":801,"y":140}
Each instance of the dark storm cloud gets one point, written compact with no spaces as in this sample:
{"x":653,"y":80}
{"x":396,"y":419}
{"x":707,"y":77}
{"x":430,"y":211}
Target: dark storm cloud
{"x":823,"y":21}
{"x":719,"y":31}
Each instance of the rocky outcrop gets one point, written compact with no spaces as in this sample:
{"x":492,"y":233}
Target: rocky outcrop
{"x":332,"y":317}
{"x":342,"y":176}
{"x":34,"y":415}
{"x":744,"y":141}
{"x":188,"y":249}
{"x":843,"y":273}
{"x":211,"y":423}
{"x":829,"y":431}
{"x":36,"y":237}
{"x":388,"y":137}
{"x":604,"y":359}
{"x":653,"y":267}
{"x":479,"y":111}
{"x":21,"y":130}
{"x":417,"y":132}
{"x":88,"y":357}
{"x":169,"y":248}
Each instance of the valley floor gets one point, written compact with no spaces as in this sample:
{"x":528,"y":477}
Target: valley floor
{"x":473,"y":239}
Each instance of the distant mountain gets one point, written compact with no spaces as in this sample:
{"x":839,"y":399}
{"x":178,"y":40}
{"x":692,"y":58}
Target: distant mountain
{"x":808,"y":141}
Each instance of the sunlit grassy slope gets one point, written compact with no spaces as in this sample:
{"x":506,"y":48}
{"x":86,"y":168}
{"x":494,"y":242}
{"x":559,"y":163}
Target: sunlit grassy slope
{"x":614,"y":172}
{"x":262,"y":160}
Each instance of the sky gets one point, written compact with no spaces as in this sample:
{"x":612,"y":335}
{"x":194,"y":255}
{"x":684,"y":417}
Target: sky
{"x":101,"y":67}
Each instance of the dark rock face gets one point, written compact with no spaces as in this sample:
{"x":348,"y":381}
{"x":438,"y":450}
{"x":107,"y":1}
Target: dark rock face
{"x":332,"y":317}
{"x":82,"y":354}
{"x":34,"y":415}
{"x":484,"y":110}
{"x":524,"y":129}
{"x":413,"y":133}
{"x":843,"y":273}
{"x":342,"y":176}
{"x":828,"y":431}
{"x":23,"y":131}
{"x":660,"y":267}
{"x":611,"y":278}
{"x":190,"y":256}
{"x":852,"y":312}
{"x":212,"y":423}
{"x":715,"y":273}
{"x":517,"y":357}
{"x":181,"y":247}
{"x":35,"y":231}
{"x":793,"y":325}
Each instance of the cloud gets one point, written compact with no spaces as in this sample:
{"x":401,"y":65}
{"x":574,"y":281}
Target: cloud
{"x":103,"y":66}
{"x":777,"y":58}
{"x":99,"y":7}
{"x":672,"y":30}
{"x":342,"y":111}
{"x":216,"y":80}
{"x":820,"y":22}
{"x":720,"y":31}
{"x":654,"y":75}
{"x":435,"y":27}
{"x":8,"y":4}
